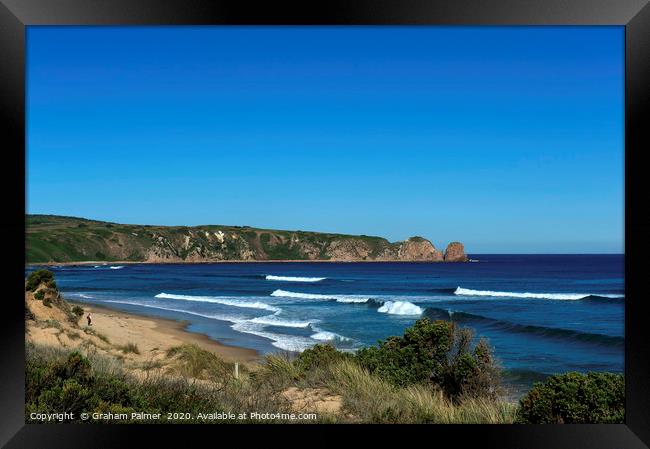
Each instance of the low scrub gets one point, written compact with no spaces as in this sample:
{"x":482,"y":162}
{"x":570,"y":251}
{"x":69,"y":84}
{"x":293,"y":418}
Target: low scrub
{"x":57,"y":381}
{"x":37,"y":277}
{"x":438,"y":353}
{"x":319,"y":356}
{"x":575,"y":398}
{"x":430,"y":375}
{"x":77,"y":311}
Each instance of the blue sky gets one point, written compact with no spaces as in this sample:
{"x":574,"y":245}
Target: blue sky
{"x":509,"y":139}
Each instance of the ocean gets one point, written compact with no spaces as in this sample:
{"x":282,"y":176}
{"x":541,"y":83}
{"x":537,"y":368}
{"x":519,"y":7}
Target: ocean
{"x":543,"y":314}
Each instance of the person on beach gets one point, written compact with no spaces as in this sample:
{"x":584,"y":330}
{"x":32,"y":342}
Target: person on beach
{"x":90,"y":318}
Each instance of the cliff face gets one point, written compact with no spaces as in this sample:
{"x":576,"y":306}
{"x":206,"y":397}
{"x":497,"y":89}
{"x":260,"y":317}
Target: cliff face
{"x":455,"y":252}
{"x":67,"y":239}
{"x":418,"y":248}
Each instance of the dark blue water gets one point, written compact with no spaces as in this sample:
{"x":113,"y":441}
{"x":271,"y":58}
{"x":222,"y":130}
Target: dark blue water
{"x":543,"y":314}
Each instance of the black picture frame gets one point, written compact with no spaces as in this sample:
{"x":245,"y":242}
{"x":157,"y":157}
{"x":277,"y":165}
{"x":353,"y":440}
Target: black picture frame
{"x":634,"y":15}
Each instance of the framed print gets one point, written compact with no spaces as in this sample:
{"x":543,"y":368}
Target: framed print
{"x":336,"y":215}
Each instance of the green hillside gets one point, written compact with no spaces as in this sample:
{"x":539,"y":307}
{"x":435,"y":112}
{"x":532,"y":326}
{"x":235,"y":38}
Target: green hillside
{"x":52,"y":238}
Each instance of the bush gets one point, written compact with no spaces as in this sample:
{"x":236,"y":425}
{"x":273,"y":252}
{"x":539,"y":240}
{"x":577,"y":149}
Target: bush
{"x":39,"y":295}
{"x":575,"y":398}
{"x":47,"y":302}
{"x":35,"y":279}
{"x":78,"y":311}
{"x":319,"y":356}
{"x":435,"y":352}
{"x":57,"y":382}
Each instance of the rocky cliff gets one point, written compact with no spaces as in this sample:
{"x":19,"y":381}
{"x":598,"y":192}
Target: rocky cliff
{"x":455,"y":252}
{"x":53,"y":238}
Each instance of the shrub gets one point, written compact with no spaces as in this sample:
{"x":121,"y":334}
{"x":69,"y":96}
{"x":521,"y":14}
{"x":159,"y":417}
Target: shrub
{"x":35,"y":279}
{"x":436,"y":352}
{"x":53,"y":323}
{"x":575,"y":398}
{"x":56,"y":382}
{"x":47,"y":302}
{"x":39,"y":295}
{"x":78,"y":311}
{"x":319,"y":356}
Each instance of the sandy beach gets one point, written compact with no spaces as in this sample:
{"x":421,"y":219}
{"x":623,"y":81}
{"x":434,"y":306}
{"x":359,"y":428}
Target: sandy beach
{"x":152,"y":333}
{"x":113,"y":330}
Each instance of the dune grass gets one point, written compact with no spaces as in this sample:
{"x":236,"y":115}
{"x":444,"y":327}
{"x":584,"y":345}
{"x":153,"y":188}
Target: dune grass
{"x":374,"y":400}
{"x":102,"y":337}
{"x":129,"y":348}
{"x":68,"y":381}
{"x":190,"y":360}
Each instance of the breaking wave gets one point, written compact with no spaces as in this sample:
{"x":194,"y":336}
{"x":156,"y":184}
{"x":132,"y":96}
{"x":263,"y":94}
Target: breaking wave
{"x":81,"y":295}
{"x":558,"y":296}
{"x":324,"y":297}
{"x":220,"y":300}
{"x":322,"y":335}
{"x":282,"y":341}
{"x":116,"y":267}
{"x":270,"y":277}
{"x":400,"y":308}
{"x":272,"y":320}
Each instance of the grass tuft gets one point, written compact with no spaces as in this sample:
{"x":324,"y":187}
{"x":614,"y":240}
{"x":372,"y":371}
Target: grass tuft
{"x":129,"y":348}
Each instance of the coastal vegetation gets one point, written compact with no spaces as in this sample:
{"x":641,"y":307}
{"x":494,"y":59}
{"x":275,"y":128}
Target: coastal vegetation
{"x":53,"y":238}
{"x":38,"y":277}
{"x":438,"y":353}
{"x":575,"y":398}
{"x":437,"y":372}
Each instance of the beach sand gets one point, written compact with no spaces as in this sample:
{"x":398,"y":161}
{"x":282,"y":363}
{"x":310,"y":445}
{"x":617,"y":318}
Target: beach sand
{"x":150,"y":333}
{"x":112,"y":330}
